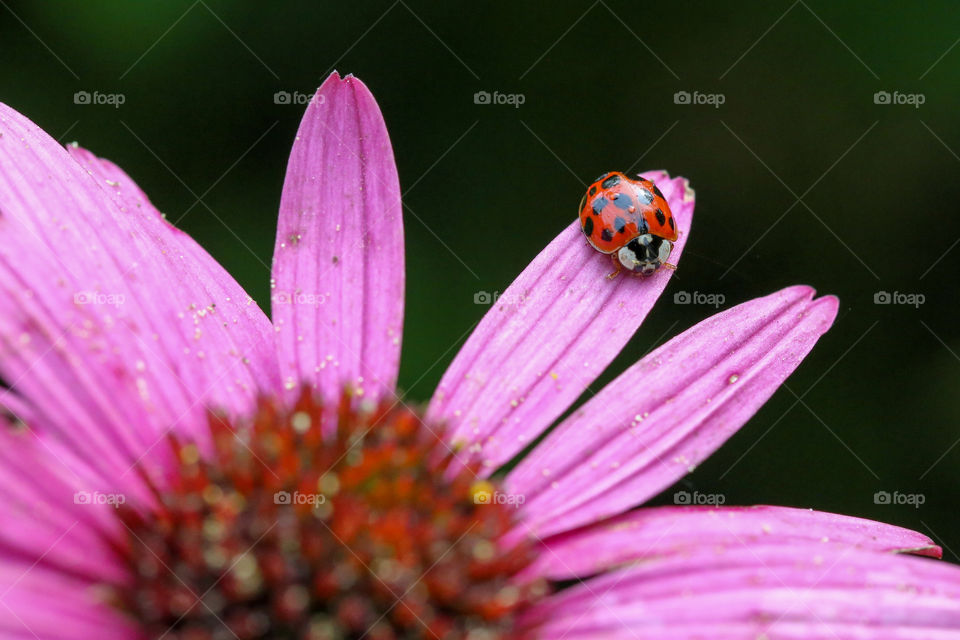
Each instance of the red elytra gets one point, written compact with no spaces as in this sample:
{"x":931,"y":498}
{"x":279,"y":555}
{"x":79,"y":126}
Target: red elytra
{"x":616,"y":209}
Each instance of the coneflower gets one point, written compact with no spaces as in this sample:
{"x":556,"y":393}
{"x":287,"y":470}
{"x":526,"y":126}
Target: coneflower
{"x":176,"y":465}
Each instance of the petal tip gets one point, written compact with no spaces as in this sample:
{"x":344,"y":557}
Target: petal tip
{"x":333,"y":82}
{"x":800,"y":291}
{"x":332,"y":88}
{"x":828,"y":307}
{"x":928,"y":551}
{"x":336,"y":78}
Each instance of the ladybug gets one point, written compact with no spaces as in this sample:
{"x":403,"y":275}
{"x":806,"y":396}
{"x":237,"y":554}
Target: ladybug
{"x":629,"y":220}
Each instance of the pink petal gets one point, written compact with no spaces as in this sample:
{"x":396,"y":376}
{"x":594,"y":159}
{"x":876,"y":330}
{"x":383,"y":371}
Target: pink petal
{"x":668,"y":412}
{"x":800,"y":591}
{"x":38,"y":603}
{"x":202,"y":278}
{"x":552,"y":332}
{"x":109,"y":333}
{"x":652,"y":532}
{"x":338,"y":270}
{"x":42,"y":520}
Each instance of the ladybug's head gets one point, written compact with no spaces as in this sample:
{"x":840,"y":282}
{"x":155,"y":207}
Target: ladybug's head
{"x":645,"y":254}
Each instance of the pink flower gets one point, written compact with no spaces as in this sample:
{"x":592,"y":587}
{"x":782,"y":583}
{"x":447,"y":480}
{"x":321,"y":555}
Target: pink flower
{"x":131,"y":511}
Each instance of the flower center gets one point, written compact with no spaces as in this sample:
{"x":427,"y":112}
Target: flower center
{"x":296,"y":527}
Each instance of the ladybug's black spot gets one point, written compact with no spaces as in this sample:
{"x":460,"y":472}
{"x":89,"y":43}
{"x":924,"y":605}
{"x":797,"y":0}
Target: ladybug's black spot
{"x":661,"y":218}
{"x":673,"y":226}
{"x":644,"y":196}
{"x":599,"y":204}
{"x":588,"y":226}
{"x":601,"y":177}
{"x":623,"y":201}
{"x":593,"y":190}
{"x":606,"y":235}
{"x":641,"y":223}
{"x":619,"y":224}
{"x":657,"y":191}
{"x":612,"y":181}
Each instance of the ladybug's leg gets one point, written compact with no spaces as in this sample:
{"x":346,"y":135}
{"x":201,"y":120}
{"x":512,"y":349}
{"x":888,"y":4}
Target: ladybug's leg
{"x":616,"y":265}
{"x":667,"y":265}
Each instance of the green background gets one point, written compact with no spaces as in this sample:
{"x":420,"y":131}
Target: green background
{"x":495,"y":183}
